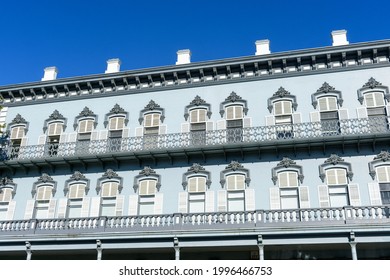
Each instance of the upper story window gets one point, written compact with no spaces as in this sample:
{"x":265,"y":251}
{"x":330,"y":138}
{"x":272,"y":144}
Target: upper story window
{"x":85,"y":123}
{"x":54,"y":126}
{"x":374,"y":99}
{"x":151,"y":117}
{"x":109,"y":186}
{"x":383,"y":173}
{"x":17,"y":130}
{"x":380,"y":170}
{"x":116,"y":121}
{"x":327,"y":103}
{"x":151,"y":123}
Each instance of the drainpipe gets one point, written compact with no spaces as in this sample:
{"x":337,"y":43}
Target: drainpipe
{"x":353,"y":243}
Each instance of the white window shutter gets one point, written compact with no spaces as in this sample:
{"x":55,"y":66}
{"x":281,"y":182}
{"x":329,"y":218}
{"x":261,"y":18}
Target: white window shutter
{"x":269,"y":120}
{"x":103,"y":135}
{"x":95,"y":207}
{"x":304,"y":198}
{"x":388,"y":110}
{"x":315,"y":116}
{"x":94,"y":135}
{"x":221,"y":124}
{"x":162,"y":129}
{"x":249,"y":200}
{"x":297,"y":118}
{"x":62,"y":206}
{"x":72,"y":137}
{"x":362,"y":113}
{"x":126,"y":133}
{"x":375,"y":195}
{"x":63,"y":137}
{"x":133,"y":205}
{"x":209,"y":201}
{"x":274,"y":198}
{"x":11,"y":210}
{"x":85,"y":206}
{"x":183,"y":202}
{"x":343,"y":114}
{"x":42,"y":139}
{"x":222,"y":201}
{"x":120,"y":200}
{"x":185,"y":128}
{"x":354,"y":194}
{"x":323,"y":196}
{"x":24,"y":141}
{"x":28,"y":214}
{"x":158,"y":203}
{"x":52,"y":208}
{"x":139,"y":131}
{"x":247,"y":122}
{"x":210,"y":126}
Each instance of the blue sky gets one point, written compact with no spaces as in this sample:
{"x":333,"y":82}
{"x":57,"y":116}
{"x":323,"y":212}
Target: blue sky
{"x":80,"y":36}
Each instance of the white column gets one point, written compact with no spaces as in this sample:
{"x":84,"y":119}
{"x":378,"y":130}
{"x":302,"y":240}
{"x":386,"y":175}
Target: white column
{"x":261,"y":247}
{"x":177,"y":248}
{"x":99,"y":249}
{"x":353,"y":243}
{"x":28,"y":250}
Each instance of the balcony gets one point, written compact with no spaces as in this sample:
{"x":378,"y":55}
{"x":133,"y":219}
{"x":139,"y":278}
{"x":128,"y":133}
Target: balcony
{"x":178,"y":144}
{"x":314,"y":218}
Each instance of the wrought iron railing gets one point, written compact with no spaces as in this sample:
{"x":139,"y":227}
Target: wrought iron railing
{"x":261,"y":134}
{"x":216,"y":220}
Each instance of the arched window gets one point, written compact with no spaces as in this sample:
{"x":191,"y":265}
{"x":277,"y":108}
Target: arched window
{"x":53,"y":128}
{"x":42,"y":197}
{"x":75,"y":200}
{"x":147,"y":191}
{"x":7,"y":204}
{"x":236,"y":196}
{"x":116,"y":121}
{"x":337,"y":181}
{"x":383,"y":173}
{"x":108,"y":193}
{"x":379,"y":168}
{"x":288,"y":187}
{"x":17,"y":131}
{"x":85,"y":123}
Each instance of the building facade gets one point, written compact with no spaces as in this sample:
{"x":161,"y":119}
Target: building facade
{"x":270,"y":156}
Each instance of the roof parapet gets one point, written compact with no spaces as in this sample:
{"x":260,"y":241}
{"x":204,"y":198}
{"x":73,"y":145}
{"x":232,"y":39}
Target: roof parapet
{"x":50,"y":73}
{"x":339,"y":37}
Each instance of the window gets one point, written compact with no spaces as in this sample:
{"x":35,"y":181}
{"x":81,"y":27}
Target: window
{"x":234,"y":123}
{"x":86,"y":126}
{"x":376,"y":111}
{"x":235,"y":186}
{"x":115,"y":126}
{"x":329,"y":115}
{"x":198,"y":126}
{"x":283,"y":119}
{"x":336,"y":179}
{"x":17,"y":133}
{"x":54,"y":131}
{"x":288,"y":188}
{"x":383,"y":173}
{"x":374,"y":99}
{"x":109,"y":191}
{"x":147,"y":191}
{"x":5,"y":198}
{"x":42,"y":198}
{"x":75,"y":200}
{"x":196,"y":194}
{"x":151,"y":129}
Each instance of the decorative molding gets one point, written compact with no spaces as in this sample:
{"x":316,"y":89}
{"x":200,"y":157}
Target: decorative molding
{"x":109,"y":176}
{"x":55,"y":117}
{"x":197,"y":103}
{"x":116,"y":111}
{"x":196,"y":170}
{"x":147,"y":173}
{"x":233,"y":98}
{"x":380,"y":159}
{"x":17,"y":121}
{"x":326,"y":90}
{"x":44,"y":179}
{"x":84,"y":114}
{"x":372,"y":85}
{"x":7,"y":182}
{"x":334,"y":161}
{"x":284,"y":165}
{"x":77,"y":176}
{"x":282,"y":94}
{"x":234,"y":167}
{"x":151,"y":107}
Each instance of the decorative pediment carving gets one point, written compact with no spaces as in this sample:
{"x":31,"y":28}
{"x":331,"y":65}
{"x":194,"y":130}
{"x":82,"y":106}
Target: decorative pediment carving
{"x":281,"y":92}
{"x":325,"y":88}
{"x":233,"y":97}
{"x":109,"y":174}
{"x":152,"y":105}
{"x":117,"y":110}
{"x":372,"y":83}
{"x":147,"y":171}
{"x":286,"y":162}
{"x":334,"y":159}
{"x":198,"y":101}
{"x":86,"y":112}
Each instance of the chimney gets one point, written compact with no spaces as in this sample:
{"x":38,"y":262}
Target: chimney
{"x":183,"y":57}
{"x":262,"y":47}
{"x":50,"y":73}
{"x":113,"y":65}
{"x":339,"y":38}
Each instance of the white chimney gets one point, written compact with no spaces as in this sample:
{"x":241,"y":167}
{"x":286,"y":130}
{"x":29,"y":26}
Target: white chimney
{"x":113,"y":65}
{"x":262,"y":47}
{"x":183,"y":57}
{"x":339,"y":38}
{"x":50,"y":73}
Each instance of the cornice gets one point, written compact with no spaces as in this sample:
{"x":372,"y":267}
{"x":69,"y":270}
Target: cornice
{"x":198,"y":74}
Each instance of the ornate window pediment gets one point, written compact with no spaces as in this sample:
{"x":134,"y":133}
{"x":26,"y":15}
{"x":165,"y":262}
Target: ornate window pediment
{"x":55,"y":117}
{"x":85,"y":114}
{"x":76,"y":178}
{"x":7,"y":183}
{"x":109,"y":176}
{"x":197,"y":103}
{"x":233,"y":99}
{"x":282,"y":95}
{"x":44,"y":180}
{"x":287,"y":164}
{"x":116,"y":111}
{"x":196,"y":170}
{"x":383,"y":158}
{"x":18,"y":121}
{"x":151,"y":107}
{"x":147,"y":174}
{"x":234,"y":168}
{"x":334,"y":161}
{"x":326,"y":90}
{"x":373,"y":86}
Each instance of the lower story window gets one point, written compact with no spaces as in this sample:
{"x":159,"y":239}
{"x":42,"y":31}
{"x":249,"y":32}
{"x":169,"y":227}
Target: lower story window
{"x":3,"y":210}
{"x":42,"y":209}
{"x":74,"y":208}
{"x":236,"y":201}
{"x":196,"y":202}
{"x":338,"y":196}
{"x":146,"y":204}
{"x":385,"y":192}
{"x":108,"y":206}
{"x":289,"y":198}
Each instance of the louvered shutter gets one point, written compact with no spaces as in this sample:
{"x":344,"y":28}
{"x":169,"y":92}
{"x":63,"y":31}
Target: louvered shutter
{"x":354,"y":194}
{"x":209,"y":201}
{"x":126,"y":133}
{"x":120,"y":199}
{"x":183,"y":202}
{"x":85,"y":206}
{"x":103,"y":135}
{"x":158,"y":204}
{"x":95,"y":207}
{"x":72,"y":137}
{"x":315,"y":117}
{"x":323,"y":196}
{"x":249,"y":199}
{"x":162,"y":130}
{"x":209,"y":125}
{"x":28,"y":214}
{"x":52,"y":208}
{"x":247,"y":122}
{"x":375,"y":195}
{"x":24,"y":141}
{"x":133,"y":205}
{"x":139,"y":131}
{"x":62,"y":207}
{"x":222,"y":201}
{"x":304,"y":199}
{"x":11,"y":210}
{"x":362,"y":113}
{"x":185,"y":128}
{"x":274,"y":198}
{"x":221,"y":124}
{"x":42,"y":139}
